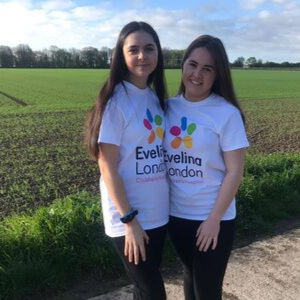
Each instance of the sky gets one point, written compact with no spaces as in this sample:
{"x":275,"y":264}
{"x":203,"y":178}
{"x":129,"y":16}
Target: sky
{"x":265,"y":29}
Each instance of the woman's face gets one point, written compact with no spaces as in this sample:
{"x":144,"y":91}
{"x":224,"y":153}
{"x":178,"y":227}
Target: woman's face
{"x":198,"y":75}
{"x":140,"y":54}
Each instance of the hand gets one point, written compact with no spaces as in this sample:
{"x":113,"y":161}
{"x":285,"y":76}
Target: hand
{"x":135,"y":238}
{"x":207,"y":234}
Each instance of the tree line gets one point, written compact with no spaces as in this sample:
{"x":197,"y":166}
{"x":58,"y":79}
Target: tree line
{"x":22,"y":56}
{"x":252,"y":62}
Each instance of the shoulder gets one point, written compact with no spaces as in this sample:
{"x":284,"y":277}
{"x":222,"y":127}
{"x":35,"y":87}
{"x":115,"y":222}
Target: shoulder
{"x":117,"y":102}
{"x":119,"y":93}
{"x":224,"y":108}
{"x":119,"y":99}
{"x":172,"y":105}
{"x":223,"y":114}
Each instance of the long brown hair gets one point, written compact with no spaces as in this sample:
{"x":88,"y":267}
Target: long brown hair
{"x":118,"y":72}
{"x":223,"y":85}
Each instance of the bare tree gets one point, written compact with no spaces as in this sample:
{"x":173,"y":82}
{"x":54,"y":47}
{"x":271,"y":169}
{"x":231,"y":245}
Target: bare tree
{"x":7,"y":59}
{"x":24,"y":56}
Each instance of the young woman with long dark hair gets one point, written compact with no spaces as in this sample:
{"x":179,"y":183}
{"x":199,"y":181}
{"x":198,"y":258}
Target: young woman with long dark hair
{"x":124,"y":134}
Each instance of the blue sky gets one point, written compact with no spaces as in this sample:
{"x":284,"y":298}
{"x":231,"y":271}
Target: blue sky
{"x":266,"y":29}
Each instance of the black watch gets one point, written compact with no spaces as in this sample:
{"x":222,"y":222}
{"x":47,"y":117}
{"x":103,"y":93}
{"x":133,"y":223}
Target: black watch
{"x":129,"y":216}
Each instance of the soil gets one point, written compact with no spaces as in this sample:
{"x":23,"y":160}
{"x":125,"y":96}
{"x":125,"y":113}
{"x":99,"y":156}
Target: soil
{"x":258,"y":270}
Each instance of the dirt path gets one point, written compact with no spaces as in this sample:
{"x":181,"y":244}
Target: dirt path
{"x":264,"y":270}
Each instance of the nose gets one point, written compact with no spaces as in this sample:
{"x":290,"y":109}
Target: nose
{"x":142,"y":54}
{"x":198,"y":72}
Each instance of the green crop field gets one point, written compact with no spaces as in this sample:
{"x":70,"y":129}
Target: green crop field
{"x":42,"y":114}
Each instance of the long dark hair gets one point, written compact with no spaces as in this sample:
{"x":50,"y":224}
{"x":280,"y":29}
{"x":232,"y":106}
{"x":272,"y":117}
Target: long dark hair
{"x":223,"y":84}
{"x":118,"y":72}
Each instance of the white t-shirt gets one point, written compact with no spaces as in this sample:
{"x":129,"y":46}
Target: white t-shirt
{"x":134,"y":121}
{"x":197,"y":133}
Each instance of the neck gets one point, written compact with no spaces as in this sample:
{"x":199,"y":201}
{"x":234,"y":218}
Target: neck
{"x":140,"y":83}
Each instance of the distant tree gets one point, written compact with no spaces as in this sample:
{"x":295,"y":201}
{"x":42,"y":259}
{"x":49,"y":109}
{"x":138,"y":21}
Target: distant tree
{"x":90,"y":57}
{"x":176,"y":58}
{"x":172,"y":58}
{"x":105,"y":54}
{"x":42,"y":59}
{"x":251,"y":61}
{"x":7,"y":59}
{"x":24,"y":56}
{"x":53,"y":50}
{"x":271,"y":64}
{"x":239,"y":62}
{"x":62,"y":58}
{"x":74,"y":58}
{"x":286,"y":64}
{"x":167,"y":56}
{"x":258,"y":64}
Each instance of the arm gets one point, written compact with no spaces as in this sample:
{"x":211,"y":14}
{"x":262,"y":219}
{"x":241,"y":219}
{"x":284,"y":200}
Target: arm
{"x":135,"y":236}
{"x":208,"y":231}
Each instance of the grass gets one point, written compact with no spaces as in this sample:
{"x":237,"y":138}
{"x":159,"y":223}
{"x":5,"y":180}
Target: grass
{"x":266,"y":84}
{"x":42,"y":158}
{"x":54,"y":245}
{"x":44,"y":243}
{"x":67,"y":89}
{"x":270,"y":192}
{"x":41,"y":151}
{"x":51,"y":89}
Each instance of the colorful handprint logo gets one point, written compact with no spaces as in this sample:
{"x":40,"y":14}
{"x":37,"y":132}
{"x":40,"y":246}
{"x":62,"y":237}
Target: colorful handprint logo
{"x":150,"y":123}
{"x":186,"y":139}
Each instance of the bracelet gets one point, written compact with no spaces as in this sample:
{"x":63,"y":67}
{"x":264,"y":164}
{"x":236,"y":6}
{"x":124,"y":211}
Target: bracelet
{"x":129,"y":216}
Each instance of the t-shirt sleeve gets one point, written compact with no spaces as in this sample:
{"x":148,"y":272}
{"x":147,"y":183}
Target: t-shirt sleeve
{"x":112,"y":125}
{"x":233,"y":134}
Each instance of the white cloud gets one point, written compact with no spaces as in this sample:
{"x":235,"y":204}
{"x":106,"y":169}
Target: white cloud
{"x":90,"y":13}
{"x":17,"y":20}
{"x":271,"y":36}
{"x":264,"y":14}
{"x":57,"y":5}
{"x":250,"y":4}
{"x":271,"y":33}
{"x":136,"y":3}
{"x":280,"y":1}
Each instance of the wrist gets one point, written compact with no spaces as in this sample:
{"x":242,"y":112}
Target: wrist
{"x":132,"y":224}
{"x":129,"y":216}
{"x":215,"y":217}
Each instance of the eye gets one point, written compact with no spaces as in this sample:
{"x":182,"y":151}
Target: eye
{"x":207,"y":69}
{"x":192,"y":64}
{"x":149,"y":49}
{"x":133,"y":50}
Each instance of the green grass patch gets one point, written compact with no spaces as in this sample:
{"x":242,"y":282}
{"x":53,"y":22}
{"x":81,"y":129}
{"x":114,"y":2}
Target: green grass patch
{"x":65,"y":89}
{"x":41,"y":151}
{"x":53,"y":246}
{"x":44,"y":251}
{"x":266,"y":84}
{"x":52,"y":89}
{"x":42,"y":158}
{"x":270,"y":192}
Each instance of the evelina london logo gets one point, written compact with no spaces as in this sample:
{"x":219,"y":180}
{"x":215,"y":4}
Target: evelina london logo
{"x":183,"y":134}
{"x":152,"y":124}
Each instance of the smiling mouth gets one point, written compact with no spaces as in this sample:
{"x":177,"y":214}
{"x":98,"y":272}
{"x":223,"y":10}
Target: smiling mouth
{"x":196,"y":82}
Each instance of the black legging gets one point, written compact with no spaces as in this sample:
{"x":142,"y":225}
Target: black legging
{"x":203,"y":271}
{"x":146,"y":276}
